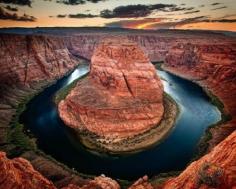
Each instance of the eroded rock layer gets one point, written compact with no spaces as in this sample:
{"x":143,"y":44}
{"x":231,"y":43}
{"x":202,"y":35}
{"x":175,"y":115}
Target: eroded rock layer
{"x":214,"y":170}
{"x":122,"y":96}
{"x":212,"y":64}
{"x":18,"y":173}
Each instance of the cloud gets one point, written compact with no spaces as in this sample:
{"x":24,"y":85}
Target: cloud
{"x":228,"y":16}
{"x":224,"y":7}
{"x":79,"y":15}
{"x":135,"y":11}
{"x":155,"y":23}
{"x":82,"y":15}
{"x":4,"y":15}
{"x":14,"y":9}
{"x":223,"y":20}
{"x":61,"y":15}
{"x":138,"y":24}
{"x":129,"y":11}
{"x":77,"y":2}
{"x":214,"y":4}
{"x":17,"y":2}
{"x":191,"y":12}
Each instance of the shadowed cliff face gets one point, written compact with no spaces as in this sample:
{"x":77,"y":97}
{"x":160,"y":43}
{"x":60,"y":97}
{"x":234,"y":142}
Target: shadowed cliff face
{"x":213,"y":66}
{"x":214,"y":170}
{"x":208,"y":59}
{"x":28,"y":64}
{"x":18,"y":173}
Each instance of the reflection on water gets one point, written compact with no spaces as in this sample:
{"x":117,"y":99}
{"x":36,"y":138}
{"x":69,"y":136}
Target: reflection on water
{"x":80,"y":71}
{"x":173,"y":153}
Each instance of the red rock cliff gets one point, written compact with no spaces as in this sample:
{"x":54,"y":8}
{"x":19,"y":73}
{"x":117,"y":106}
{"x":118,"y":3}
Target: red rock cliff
{"x":27,"y":64}
{"x":18,"y":173}
{"x":122,"y":95}
{"x":214,"y":170}
{"x":29,"y":59}
{"x":213,"y":65}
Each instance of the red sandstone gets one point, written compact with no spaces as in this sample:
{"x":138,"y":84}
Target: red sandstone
{"x":122,"y":95}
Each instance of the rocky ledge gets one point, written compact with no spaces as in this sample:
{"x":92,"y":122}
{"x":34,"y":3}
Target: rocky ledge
{"x":18,"y":173}
{"x":122,"y":98}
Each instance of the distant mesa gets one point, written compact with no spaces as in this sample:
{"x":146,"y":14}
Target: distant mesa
{"x":121,"y":98}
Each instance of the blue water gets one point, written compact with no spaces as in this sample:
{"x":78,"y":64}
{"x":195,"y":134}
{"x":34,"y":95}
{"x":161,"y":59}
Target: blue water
{"x":174,"y":153}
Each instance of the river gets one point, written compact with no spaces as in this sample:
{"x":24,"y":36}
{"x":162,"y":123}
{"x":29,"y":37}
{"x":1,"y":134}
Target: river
{"x":174,"y":153}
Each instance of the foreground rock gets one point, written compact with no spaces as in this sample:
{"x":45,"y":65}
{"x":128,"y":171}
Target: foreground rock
{"x":214,"y":170}
{"x":19,"y":173}
{"x":122,"y":96}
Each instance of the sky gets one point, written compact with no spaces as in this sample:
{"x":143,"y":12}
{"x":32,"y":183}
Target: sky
{"x":136,"y":14}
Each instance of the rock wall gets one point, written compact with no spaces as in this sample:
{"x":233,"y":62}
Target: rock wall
{"x":155,"y":44}
{"x":29,"y":59}
{"x":28,"y":64}
{"x":214,"y":170}
{"x":18,"y":173}
{"x":212,"y":64}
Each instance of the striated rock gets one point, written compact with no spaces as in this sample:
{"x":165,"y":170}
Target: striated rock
{"x":121,"y":97}
{"x":141,"y":183}
{"x":100,"y":182}
{"x":18,"y":173}
{"x":28,"y":59}
{"x":29,"y":63}
{"x":213,"y":66}
{"x":214,"y":170}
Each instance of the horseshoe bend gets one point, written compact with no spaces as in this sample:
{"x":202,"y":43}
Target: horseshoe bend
{"x":120,"y":101}
{"x":120,"y":106}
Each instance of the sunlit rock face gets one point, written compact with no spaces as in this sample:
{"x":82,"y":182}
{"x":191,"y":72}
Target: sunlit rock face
{"x":214,"y":170}
{"x":100,"y":182}
{"x":121,"y":97}
{"x":18,"y":173}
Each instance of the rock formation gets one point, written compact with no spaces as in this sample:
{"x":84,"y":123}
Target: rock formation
{"x":214,"y":170}
{"x":18,"y":173}
{"x":28,"y":63}
{"x":122,"y":96}
{"x":100,"y":182}
{"x":213,"y":65}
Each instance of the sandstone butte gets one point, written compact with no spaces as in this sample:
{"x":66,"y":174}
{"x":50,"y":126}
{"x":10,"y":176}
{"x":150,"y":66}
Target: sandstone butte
{"x":121,"y":97}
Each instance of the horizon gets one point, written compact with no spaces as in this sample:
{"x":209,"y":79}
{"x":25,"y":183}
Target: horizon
{"x":151,"y":15}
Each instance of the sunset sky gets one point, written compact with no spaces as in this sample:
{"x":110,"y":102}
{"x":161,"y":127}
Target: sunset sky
{"x":139,"y":14}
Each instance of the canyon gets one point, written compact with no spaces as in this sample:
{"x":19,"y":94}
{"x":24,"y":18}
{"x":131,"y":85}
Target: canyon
{"x":121,"y":99}
{"x":31,"y":62}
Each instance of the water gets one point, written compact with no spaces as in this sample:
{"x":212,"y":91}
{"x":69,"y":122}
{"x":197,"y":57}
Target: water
{"x":174,"y":153}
